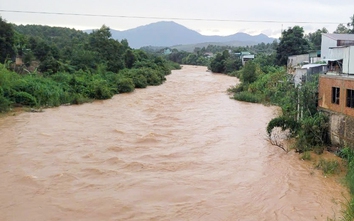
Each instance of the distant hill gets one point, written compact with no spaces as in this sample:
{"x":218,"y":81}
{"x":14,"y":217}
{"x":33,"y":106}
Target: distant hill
{"x":168,"y":33}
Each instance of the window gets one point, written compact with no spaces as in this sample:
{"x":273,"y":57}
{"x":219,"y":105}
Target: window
{"x":335,"y":95}
{"x":350,"y":98}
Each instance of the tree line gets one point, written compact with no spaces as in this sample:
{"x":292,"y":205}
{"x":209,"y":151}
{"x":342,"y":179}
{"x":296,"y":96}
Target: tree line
{"x":66,"y":66}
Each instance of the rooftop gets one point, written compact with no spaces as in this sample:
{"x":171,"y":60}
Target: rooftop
{"x":345,"y":37}
{"x":307,"y":66}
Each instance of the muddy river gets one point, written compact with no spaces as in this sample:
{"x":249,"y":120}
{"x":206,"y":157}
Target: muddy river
{"x":180,"y":151}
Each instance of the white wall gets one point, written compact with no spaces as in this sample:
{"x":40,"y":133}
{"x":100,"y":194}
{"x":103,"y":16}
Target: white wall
{"x":348,"y":61}
{"x":295,"y":60}
{"x":325,"y":45}
{"x":337,"y":53}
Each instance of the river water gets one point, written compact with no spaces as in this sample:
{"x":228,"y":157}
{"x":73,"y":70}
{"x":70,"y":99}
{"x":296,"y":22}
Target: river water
{"x":180,"y":151}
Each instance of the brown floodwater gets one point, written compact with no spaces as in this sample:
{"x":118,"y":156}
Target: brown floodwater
{"x":180,"y":151}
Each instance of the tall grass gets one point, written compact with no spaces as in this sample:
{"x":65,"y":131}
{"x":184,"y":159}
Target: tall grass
{"x":247,"y":96}
{"x":348,"y":155}
{"x":328,"y":166}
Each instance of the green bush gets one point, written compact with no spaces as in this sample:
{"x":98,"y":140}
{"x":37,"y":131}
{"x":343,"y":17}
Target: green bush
{"x":137,"y":76}
{"x":5,"y":104}
{"x":140,"y":81}
{"x":125,"y":85}
{"x":24,"y":98}
{"x":284,"y":123}
{"x":306,"y":156}
{"x":79,"y":99}
{"x":100,"y":90}
{"x":247,"y":96}
{"x":313,"y":132}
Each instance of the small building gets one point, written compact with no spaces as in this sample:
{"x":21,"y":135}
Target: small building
{"x":305,"y":72}
{"x":246,"y":58}
{"x":295,"y":61}
{"x":208,"y":54}
{"x":167,"y":51}
{"x":334,"y":40}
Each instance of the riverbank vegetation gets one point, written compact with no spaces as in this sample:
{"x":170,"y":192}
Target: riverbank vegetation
{"x":57,"y":66}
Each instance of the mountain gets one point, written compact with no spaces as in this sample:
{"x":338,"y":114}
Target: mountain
{"x":168,"y":33}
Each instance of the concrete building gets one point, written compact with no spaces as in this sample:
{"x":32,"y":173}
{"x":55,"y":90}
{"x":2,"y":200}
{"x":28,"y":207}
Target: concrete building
{"x":336,"y":98}
{"x":336,"y":87}
{"x":305,"y":72}
{"x":334,"y":40}
{"x":341,"y":60}
{"x":246,"y":58}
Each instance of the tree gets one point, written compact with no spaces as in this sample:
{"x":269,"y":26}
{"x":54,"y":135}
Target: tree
{"x":350,"y":25}
{"x":129,"y":58}
{"x":346,"y":29}
{"x":315,"y":38}
{"x":6,"y":41}
{"x":109,"y":50}
{"x":217,"y":64}
{"x":292,"y":42}
{"x":341,"y":29}
{"x":249,"y":74}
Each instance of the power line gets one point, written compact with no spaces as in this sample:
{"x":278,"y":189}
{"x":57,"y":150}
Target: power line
{"x":169,"y":18}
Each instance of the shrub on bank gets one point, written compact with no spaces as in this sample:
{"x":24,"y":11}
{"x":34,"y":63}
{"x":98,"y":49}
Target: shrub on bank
{"x":125,"y":85}
{"x":247,"y":96}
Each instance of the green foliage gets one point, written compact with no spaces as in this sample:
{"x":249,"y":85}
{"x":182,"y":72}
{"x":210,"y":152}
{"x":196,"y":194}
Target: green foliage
{"x":225,"y":63}
{"x":328,"y":166}
{"x":249,"y":74}
{"x":347,"y":154}
{"x":315,"y":38}
{"x":125,"y":85}
{"x":292,"y":42}
{"x":24,"y":98}
{"x":107,"y":49}
{"x":74,"y":67}
{"x":100,"y":89}
{"x":217,"y":64}
{"x":7,"y":41}
{"x":178,"y":56}
{"x":266,"y":62}
{"x":232,"y":64}
{"x":284,"y":123}
{"x":313,"y":132}
{"x":306,"y":156}
{"x":129,"y":58}
{"x":247,"y":96}
{"x":5,"y":104}
{"x":49,"y":65}
{"x":137,"y":75}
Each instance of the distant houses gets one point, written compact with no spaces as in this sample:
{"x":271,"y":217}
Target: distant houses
{"x":245,"y":56}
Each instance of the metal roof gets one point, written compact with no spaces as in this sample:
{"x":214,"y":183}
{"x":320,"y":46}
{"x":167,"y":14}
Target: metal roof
{"x":307,"y":66}
{"x":345,"y":37}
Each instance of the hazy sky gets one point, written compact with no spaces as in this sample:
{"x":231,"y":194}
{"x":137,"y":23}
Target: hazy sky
{"x":320,"y":13}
